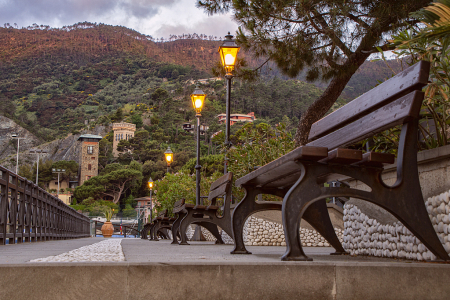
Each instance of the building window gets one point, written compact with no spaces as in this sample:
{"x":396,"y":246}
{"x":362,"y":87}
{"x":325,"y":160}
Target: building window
{"x":56,"y":183}
{"x":89,"y":167}
{"x":88,"y":177}
{"x":93,"y":157}
{"x":90,"y":149}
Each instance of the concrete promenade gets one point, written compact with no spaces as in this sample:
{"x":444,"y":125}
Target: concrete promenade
{"x":202,"y":270}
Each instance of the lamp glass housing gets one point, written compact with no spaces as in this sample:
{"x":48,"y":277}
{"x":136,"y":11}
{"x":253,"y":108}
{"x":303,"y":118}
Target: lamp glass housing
{"x":228,"y":52}
{"x":150,"y":183}
{"x":198,"y":98}
{"x":169,"y":155}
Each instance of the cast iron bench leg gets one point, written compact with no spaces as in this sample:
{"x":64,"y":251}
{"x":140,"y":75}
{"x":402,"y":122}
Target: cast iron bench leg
{"x":176,"y":228}
{"x":213,"y":229}
{"x":183,"y":227}
{"x":240,"y":214}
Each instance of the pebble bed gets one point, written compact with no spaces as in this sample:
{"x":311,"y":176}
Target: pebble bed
{"x":366,"y":236}
{"x":259,"y":232}
{"x":104,"y":251}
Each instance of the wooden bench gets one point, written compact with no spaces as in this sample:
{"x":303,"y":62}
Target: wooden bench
{"x":205,"y":216}
{"x":158,"y":226}
{"x":299,"y":175}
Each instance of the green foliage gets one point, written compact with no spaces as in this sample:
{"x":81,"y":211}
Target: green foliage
{"x":210,"y":165}
{"x":95,"y":207}
{"x":108,"y":214}
{"x":429,"y":43}
{"x":256,"y":146}
{"x":137,"y":120}
{"x":113,"y":181}
{"x":174,"y":187}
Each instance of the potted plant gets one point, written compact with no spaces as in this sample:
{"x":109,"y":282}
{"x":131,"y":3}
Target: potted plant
{"x":108,"y":228}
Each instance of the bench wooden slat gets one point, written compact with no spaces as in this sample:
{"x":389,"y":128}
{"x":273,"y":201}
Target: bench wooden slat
{"x":413,"y":78}
{"x":386,"y":117}
{"x":218,"y":192}
{"x":224,"y":179}
{"x":212,"y":207}
{"x":343,"y":156}
{"x":376,"y":159}
{"x":303,"y":152}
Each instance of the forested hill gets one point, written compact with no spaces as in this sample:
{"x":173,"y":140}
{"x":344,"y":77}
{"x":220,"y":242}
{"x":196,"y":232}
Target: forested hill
{"x":55,"y":80}
{"x":85,"y":42}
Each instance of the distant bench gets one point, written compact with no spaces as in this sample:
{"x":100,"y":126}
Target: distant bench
{"x":159,"y":225}
{"x":205,"y":216}
{"x":299,"y":176}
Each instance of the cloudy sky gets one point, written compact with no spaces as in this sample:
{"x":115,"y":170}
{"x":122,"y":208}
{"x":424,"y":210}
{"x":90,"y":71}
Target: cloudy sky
{"x":158,"y":18}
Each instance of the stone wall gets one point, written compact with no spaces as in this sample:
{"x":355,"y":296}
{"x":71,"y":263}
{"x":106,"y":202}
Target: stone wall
{"x":260,"y":232}
{"x":371,"y":230}
{"x":367,"y":236}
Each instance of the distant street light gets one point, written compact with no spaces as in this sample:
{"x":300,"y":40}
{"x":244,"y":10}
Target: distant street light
{"x":198,"y":98}
{"x":37,"y":151}
{"x":228,"y":53}
{"x":150,"y":186}
{"x":59,"y":171}
{"x":169,"y":157}
{"x":16,"y":136}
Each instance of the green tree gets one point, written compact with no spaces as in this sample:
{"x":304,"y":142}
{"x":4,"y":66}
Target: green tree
{"x":113,"y":181}
{"x":328,"y":38}
{"x":137,"y":120}
{"x":70,"y":167}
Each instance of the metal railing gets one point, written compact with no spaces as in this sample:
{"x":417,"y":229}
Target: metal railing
{"x":30,"y":214}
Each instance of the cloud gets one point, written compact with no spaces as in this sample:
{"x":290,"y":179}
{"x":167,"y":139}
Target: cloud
{"x":158,"y":18}
{"x":218,"y":25}
{"x":65,"y":12}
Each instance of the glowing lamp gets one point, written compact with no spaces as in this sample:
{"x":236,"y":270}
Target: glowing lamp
{"x":228,"y":52}
{"x":198,"y":98}
{"x":150,"y":183}
{"x":169,"y":155}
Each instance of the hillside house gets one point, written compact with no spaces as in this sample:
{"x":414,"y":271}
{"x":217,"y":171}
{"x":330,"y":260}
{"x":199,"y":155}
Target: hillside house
{"x":234,"y":118}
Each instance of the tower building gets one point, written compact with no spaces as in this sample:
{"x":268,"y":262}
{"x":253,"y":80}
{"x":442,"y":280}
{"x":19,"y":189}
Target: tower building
{"x":122,"y":131}
{"x":88,"y":157}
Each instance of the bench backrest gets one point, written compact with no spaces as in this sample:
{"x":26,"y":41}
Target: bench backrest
{"x":163,"y":213}
{"x":179,"y":203}
{"x":220,"y":187}
{"x":393,"y":102}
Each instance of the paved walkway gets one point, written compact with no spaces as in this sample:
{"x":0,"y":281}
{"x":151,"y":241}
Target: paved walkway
{"x":144,"y":251}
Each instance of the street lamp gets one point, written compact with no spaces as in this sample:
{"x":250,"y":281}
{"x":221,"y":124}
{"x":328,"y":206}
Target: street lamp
{"x":16,"y":136}
{"x":37,"y":151}
{"x":198,"y":98}
{"x":228,"y":52}
{"x":150,"y":186}
{"x":59,"y":171}
{"x":169,"y":157}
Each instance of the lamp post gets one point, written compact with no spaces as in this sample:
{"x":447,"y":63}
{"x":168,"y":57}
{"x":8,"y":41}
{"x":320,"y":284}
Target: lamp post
{"x":169,"y":157}
{"x":59,"y":171}
{"x":37,"y":151}
{"x":228,"y":52}
{"x":198,"y":98}
{"x":150,"y":186}
{"x":16,"y":136}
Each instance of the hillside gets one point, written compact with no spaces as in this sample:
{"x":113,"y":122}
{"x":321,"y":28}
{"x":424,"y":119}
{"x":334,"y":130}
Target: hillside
{"x":55,"y":82}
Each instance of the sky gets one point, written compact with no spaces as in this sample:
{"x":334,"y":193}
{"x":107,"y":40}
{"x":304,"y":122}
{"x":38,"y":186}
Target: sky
{"x":158,"y":18}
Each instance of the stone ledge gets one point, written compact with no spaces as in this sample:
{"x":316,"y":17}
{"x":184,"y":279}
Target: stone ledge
{"x":278,"y":280}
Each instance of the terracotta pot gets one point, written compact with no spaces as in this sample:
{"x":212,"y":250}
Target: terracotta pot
{"x":107,"y":229}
